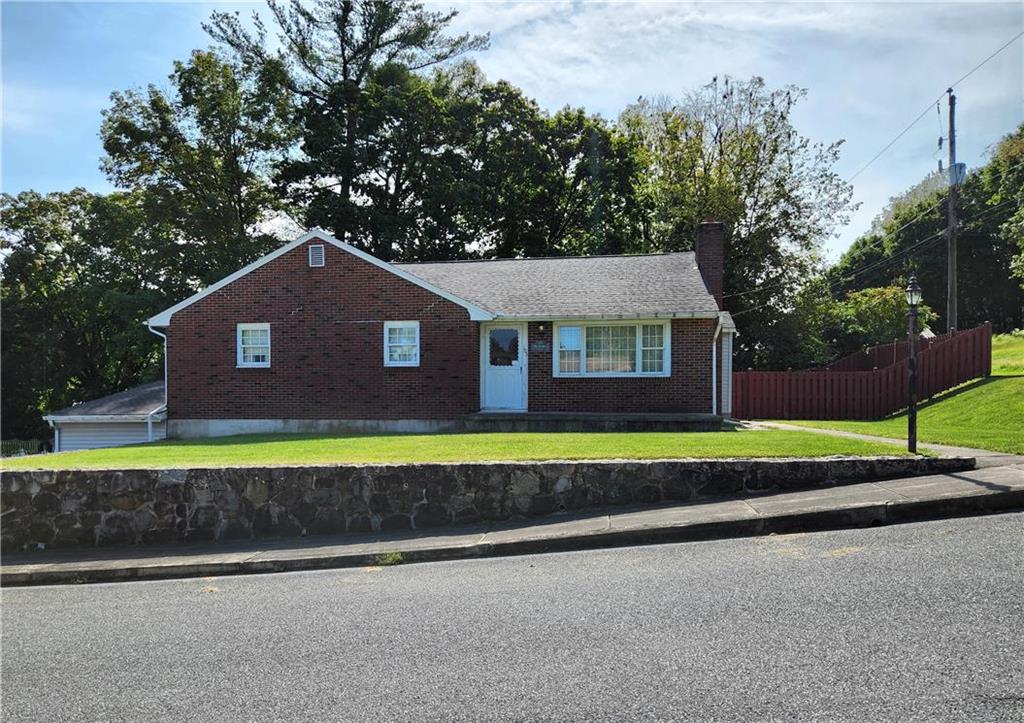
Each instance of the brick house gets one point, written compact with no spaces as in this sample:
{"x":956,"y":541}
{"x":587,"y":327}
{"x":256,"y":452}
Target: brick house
{"x":321,"y":335}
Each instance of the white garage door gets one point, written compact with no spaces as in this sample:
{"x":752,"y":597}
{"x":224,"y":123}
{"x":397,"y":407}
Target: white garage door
{"x":89,"y":435}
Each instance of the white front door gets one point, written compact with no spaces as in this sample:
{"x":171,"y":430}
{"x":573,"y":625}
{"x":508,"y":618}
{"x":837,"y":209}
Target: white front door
{"x":503,"y":350}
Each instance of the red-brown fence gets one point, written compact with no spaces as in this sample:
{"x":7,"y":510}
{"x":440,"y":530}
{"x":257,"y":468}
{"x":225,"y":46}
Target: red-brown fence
{"x":852,"y":393}
{"x":883,"y":355}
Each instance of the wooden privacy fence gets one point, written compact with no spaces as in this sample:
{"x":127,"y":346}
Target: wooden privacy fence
{"x":883,"y":355}
{"x":847,"y":390}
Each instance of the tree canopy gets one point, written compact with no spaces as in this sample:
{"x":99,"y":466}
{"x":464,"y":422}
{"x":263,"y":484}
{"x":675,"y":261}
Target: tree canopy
{"x":371,"y":119}
{"x":913,"y":240}
{"x":80,"y":275}
{"x":201,"y":154}
{"x":729,"y":151}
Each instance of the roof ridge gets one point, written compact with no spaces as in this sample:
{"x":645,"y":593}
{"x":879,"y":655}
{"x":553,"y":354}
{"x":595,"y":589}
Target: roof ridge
{"x":541,"y":258}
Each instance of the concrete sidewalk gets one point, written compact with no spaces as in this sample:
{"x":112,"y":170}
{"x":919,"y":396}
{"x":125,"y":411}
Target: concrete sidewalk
{"x":984,"y":457}
{"x":901,"y":500}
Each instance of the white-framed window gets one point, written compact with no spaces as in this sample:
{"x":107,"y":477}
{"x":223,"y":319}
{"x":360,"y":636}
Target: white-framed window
{"x":612,"y":349}
{"x":652,"y":348}
{"x":570,"y":349}
{"x":316,"y":255}
{"x":253,"y":343}
{"x":401,"y":343}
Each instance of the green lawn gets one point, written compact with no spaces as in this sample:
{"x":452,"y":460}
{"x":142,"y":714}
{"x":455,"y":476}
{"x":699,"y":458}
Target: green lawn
{"x":286,"y":449}
{"x":1008,"y":354}
{"x":985,"y":414}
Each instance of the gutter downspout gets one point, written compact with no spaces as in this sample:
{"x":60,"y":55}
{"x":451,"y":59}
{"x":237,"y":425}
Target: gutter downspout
{"x":162,"y":407}
{"x":56,"y":433}
{"x":149,"y":421}
{"x":714,"y":367}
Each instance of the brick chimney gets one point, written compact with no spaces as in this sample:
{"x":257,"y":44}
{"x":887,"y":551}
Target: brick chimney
{"x":710,"y":253}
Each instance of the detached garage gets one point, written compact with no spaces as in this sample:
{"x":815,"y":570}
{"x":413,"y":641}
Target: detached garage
{"x":130,"y":417}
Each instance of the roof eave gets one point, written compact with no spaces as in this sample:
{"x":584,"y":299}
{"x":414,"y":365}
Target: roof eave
{"x":476,"y":313}
{"x":81,"y":418}
{"x":609,"y":316}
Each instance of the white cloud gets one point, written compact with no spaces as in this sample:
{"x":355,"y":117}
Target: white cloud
{"x":37,"y":109}
{"x":869,"y":67}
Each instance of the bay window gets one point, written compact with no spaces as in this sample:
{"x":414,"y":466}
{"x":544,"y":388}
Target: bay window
{"x":612,"y":349}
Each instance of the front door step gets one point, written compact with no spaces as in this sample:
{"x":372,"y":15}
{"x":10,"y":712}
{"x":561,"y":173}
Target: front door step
{"x":493,"y":421}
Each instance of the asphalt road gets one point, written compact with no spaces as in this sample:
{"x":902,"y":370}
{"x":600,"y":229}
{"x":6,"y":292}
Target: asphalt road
{"x":911,"y":622}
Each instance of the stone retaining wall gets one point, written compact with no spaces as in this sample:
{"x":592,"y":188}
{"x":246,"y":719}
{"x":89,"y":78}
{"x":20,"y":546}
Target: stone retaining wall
{"x":80,"y":507}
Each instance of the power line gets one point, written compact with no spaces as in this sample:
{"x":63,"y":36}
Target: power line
{"x":971,"y":72}
{"x":831,"y":285}
{"x":891,"y":143}
{"x":866,"y":248}
{"x":903,"y":252}
{"x":895,"y":257}
{"x":910,"y":249}
{"x":922,"y":114}
{"x":981,"y":215}
{"x":880,"y":262}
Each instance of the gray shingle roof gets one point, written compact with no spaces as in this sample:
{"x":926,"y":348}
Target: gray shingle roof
{"x":642,"y":285}
{"x":140,"y":400}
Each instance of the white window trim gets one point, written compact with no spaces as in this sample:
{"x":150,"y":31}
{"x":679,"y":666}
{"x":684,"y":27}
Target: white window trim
{"x":583,"y":373}
{"x":323,"y":256}
{"x":397,"y":325}
{"x":239,"y":359}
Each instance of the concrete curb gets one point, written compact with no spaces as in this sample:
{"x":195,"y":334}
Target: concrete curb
{"x":843,"y":517}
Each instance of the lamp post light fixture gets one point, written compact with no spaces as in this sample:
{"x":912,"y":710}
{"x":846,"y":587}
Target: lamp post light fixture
{"x":913,"y":292}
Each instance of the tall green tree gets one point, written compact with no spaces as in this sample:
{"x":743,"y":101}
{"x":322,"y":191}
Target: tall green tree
{"x":549,"y":184}
{"x":347,"y":65}
{"x":1003,"y":182}
{"x":203,"y":153}
{"x":820,"y":328}
{"x":911,"y":239}
{"x":81,"y":273}
{"x":730,"y":151}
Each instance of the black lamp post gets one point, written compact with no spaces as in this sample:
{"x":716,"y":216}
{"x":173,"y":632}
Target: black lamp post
{"x":913,"y":299}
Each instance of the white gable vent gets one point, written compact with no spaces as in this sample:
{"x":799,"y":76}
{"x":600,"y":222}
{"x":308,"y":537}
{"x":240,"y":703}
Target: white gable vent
{"x":316,"y":255}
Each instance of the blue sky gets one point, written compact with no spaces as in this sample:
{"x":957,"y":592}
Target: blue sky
{"x":870,"y":69}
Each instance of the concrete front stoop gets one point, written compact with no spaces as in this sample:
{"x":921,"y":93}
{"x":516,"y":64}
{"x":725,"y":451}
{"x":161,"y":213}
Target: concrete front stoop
{"x":872,"y":503}
{"x":590,"y":422}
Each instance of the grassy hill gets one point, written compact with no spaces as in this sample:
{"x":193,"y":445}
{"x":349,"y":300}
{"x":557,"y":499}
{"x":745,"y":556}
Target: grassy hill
{"x":1008,"y":354}
{"x":986,"y":413}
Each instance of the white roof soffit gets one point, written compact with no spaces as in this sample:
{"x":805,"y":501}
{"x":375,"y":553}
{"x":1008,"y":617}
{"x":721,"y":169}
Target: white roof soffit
{"x":102,"y":418}
{"x":611,"y":317}
{"x":476,"y":313}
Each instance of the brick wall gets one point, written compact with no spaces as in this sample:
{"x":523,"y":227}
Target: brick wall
{"x":709,"y":247}
{"x":327,"y":347}
{"x":327,"y":353}
{"x":688,"y":389}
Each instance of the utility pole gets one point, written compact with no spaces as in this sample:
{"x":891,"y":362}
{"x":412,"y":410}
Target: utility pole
{"x":954,"y":182}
